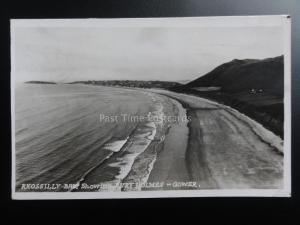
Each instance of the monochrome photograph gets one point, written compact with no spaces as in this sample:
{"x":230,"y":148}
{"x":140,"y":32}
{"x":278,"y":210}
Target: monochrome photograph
{"x":151,"y":107}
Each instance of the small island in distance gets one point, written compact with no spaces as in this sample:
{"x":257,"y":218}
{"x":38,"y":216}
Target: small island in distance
{"x":39,"y":82}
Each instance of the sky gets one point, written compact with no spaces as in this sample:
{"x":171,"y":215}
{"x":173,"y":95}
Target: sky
{"x":65,"y":54}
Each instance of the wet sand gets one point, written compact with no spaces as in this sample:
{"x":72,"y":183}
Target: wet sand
{"x":170,"y":165}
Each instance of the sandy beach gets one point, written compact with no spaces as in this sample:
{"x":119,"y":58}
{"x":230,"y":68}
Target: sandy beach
{"x":224,"y":149}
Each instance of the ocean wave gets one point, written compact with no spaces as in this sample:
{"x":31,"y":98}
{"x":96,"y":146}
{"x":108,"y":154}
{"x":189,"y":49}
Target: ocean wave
{"x":137,"y":144}
{"x":115,"y":146}
{"x":123,"y":155}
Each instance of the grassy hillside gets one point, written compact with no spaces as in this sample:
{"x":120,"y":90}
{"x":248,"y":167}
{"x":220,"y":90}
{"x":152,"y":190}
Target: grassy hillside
{"x":245,"y":75}
{"x":254,"y":87}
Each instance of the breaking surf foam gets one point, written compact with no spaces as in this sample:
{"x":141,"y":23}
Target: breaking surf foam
{"x":136,"y":144}
{"x":115,"y":146}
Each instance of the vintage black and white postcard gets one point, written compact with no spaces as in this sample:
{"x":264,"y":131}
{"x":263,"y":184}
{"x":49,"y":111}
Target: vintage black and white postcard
{"x":151,"y":107}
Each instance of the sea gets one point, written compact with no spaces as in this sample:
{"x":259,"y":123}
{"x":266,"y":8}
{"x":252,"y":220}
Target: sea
{"x":78,"y":135}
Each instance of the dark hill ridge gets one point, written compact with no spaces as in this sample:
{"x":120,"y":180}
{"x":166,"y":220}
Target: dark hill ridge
{"x":244,"y":75}
{"x":254,"y":87}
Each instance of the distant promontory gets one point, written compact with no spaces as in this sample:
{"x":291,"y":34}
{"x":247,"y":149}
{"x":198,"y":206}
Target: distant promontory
{"x":39,"y":82}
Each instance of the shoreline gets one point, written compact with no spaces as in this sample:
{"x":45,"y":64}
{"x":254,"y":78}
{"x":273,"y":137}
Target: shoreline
{"x":169,"y":165}
{"x":196,"y":167}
